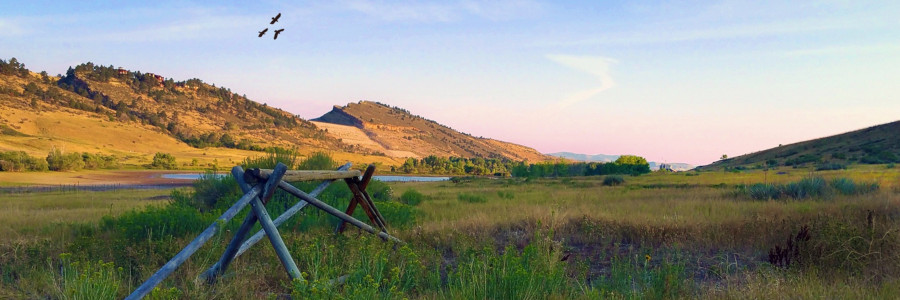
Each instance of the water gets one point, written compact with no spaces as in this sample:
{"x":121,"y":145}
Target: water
{"x":385,"y":178}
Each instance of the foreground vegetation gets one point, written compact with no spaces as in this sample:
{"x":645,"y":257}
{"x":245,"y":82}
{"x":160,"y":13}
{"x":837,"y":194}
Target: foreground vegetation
{"x":660,"y":235}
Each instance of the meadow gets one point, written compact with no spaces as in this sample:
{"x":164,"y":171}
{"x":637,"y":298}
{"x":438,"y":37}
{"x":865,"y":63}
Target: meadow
{"x":659,"y":235}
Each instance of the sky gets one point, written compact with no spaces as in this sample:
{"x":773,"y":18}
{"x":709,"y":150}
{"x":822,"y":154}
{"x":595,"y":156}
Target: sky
{"x":672,"y":81}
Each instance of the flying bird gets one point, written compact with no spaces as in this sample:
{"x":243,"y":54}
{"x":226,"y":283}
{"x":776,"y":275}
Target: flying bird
{"x":277,"y":32}
{"x":261,"y":33}
{"x":275,"y":19}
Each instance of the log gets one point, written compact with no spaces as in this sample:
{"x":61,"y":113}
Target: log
{"x":254,"y":175}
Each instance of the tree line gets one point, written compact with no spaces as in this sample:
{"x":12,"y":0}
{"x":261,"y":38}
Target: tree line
{"x":626,"y":164}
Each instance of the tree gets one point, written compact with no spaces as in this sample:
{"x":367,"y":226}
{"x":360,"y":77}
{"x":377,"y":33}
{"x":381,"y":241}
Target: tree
{"x":724,"y":157}
{"x":164,"y":161}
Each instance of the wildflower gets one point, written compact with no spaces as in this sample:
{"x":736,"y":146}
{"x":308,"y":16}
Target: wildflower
{"x":647,"y":257}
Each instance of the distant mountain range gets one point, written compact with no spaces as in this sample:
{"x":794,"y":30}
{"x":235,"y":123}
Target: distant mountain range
{"x":610,"y":158}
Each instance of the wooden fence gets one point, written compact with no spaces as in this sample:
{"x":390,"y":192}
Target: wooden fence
{"x":258,"y":187}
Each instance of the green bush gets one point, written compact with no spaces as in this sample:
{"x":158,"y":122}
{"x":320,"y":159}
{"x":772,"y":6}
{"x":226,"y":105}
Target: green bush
{"x":471,"y":198}
{"x":58,"y":161}
{"x":613,"y":180}
{"x":18,"y":161}
{"x":412,"y":197}
{"x":318,"y":161}
{"x":88,"y":280}
{"x":99,"y":161}
{"x":164,"y":161}
{"x":830,"y":166}
{"x":761,"y":191}
{"x":273,"y":156}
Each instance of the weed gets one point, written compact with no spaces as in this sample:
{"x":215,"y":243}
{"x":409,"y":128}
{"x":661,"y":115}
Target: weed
{"x":412,"y":197}
{"x":612,"y":180}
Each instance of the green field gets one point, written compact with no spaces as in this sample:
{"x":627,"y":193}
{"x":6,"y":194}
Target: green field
{"x":660,"y":235}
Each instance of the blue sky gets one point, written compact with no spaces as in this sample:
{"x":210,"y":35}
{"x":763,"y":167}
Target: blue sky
{"x":676,"y":81}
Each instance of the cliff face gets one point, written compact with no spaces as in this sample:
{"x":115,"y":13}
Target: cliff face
{"x":398,"y":133}
{"x":338,"y":116}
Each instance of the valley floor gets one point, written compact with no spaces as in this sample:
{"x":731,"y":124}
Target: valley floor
{"x":677,"y":235}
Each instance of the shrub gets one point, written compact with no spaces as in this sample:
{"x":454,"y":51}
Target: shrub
{"x":88,"y":280}
{"x":317,"y":161}
{"x":412,"y":197}
{"x":164,"y":161}
{"x":99,"y":161}
{"x":158,"y":222}
{"x":273,"y":156}
{"x":471,"y":198}
{"x":846,"y":186}
{"x":830,"y":166}
{"x":613,"y":180}
{"x":761,"y":191}
{"x":17,"y":161}
{"x":57,"y":161}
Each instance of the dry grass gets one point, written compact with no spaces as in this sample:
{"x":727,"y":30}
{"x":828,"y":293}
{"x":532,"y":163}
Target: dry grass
{"x":32,"y":215}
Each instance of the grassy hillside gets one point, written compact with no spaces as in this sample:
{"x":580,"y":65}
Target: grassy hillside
{"x":874,"y":145}
{"x":396,"y":132}
{"x":132,"y":115}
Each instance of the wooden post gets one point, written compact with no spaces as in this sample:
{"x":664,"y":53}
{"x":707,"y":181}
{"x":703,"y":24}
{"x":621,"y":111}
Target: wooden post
{"x":260,"y":210}
{"x":188,"y":250}
{"x":284,"y":216}
{"x":334,"y":212}
{"x":361,"y":185}
{"x":219,"y":268}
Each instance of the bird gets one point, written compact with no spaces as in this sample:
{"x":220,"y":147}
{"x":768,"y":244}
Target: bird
{"x":566,"y":257}
{"x":261,"y":33}
{"x":277,"y":32}
{"x":275,"y":19}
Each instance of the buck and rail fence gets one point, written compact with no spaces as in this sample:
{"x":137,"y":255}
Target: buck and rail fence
{"x":258,"y":186}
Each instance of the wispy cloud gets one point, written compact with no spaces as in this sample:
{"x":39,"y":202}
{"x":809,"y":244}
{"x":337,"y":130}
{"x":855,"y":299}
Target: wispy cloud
{"x":845,"y":50}
{"x":594,"y":65}
{"x":443,"y":11}
{"x":10,"y":28}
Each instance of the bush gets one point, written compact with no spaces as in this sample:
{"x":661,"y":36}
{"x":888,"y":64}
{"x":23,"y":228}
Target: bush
{"x":17,"y":161}
{"x":412,"y":197}
{"x":612,"y":180}
{"x":273,"y":156}
{"x":88,"y":280}
{"x":99,"y":161}
{"x":57,"y":161}
{"x":164,"y":161}
{"x":471,"y":198}
{"x":318,"y":161}
{"x":807,"y":188}
{"x":830,"y":166}
{"x":761,"y":191}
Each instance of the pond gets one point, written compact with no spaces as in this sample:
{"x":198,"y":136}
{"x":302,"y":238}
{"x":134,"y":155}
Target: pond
{"x":385,"y":178}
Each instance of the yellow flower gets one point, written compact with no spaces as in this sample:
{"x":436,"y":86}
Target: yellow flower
{"x":647,"y":257}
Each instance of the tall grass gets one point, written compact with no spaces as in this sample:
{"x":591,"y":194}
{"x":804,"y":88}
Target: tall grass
{"x":809,"y":187}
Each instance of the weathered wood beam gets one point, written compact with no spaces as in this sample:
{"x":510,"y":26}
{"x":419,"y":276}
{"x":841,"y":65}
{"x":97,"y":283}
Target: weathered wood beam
{"x":189,"y":250}
{"x":254,"y":175}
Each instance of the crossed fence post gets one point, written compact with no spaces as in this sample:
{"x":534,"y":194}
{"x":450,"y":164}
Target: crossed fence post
{"x":257,"y":196}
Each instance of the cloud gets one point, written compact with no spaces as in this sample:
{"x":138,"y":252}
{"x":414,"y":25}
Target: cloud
{"x":594,"y":65}
{"x":845,"y":50}
{"x":9,"y":28}
{"x":442,"y":12}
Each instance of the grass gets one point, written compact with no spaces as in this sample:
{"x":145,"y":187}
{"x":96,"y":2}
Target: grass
{"x":24,"y":215}
{"x":654,"y":236}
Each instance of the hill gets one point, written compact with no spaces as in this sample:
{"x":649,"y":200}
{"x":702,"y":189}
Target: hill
{"x":398,"y":133}
{"x":874,"y":145}
{"x":109,"y":110}
{"x":609,"y":158}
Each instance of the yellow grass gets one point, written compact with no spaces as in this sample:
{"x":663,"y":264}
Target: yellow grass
{"x":26,"y":216}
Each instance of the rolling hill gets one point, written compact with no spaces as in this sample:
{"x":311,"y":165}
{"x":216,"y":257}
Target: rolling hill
{"x":396,"y":132}
{"x":132,"y":114}
{"x":874,"y":145}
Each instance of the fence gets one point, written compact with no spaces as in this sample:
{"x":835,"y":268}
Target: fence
{"x":258,"y":187}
